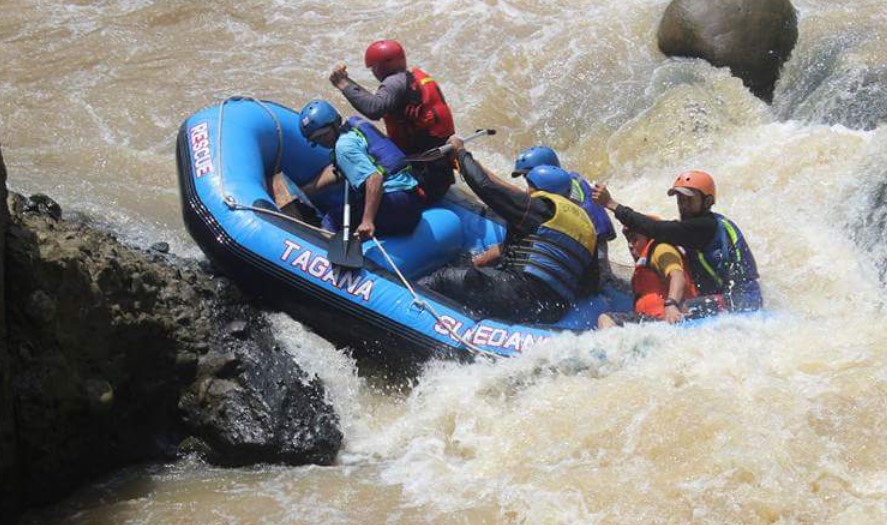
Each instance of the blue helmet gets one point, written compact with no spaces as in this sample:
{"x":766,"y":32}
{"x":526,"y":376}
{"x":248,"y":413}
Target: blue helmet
{"x":532,"y":157}
{"x":318,"y":114}
{"x":551,"y":179}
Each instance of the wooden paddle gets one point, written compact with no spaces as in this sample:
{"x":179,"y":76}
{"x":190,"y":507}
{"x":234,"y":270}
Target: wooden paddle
{"x":439,"y":152}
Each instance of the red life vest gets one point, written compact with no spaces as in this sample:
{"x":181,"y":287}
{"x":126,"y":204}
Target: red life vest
{"x":426,"y":121}
{"x":650,"y":289}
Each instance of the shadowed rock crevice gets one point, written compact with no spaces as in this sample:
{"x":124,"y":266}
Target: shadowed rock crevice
{"x":9,"y":490}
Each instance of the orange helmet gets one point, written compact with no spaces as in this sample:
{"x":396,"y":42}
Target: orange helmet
{"x":694,"y":180}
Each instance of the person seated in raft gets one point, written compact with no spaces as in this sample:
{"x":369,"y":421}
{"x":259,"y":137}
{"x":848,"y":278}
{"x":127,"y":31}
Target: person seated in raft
{"x":580,"y":193}
{"x":417,"y":117}
{"x":547,"y":259}
{"x":660,"y":283}
{"x":721,"y":263}
{"x":386,"y":200}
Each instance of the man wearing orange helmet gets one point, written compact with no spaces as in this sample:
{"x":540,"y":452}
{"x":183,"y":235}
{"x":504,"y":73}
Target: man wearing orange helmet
{"x":721,"y":263}
{"x":416,"y":114}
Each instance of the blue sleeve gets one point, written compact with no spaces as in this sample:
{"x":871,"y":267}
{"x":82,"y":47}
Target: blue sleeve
{"x":353,"y":160}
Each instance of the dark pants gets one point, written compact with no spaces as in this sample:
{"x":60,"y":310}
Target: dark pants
{"x":435,"y":178}
{"x":399,"y":213}
{"x":503,"y":294}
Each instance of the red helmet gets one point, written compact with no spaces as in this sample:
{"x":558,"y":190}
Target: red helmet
{"x":694,"y":180}
{"x":385,"y":57}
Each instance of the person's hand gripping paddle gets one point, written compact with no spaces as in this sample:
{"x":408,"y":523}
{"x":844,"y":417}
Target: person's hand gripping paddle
{"x":441,"y":151}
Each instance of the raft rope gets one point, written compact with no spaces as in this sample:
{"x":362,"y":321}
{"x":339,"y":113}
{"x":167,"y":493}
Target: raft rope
{"x":425,"y":306}
{"x":230,"y":201}
{"x":235,"y":206}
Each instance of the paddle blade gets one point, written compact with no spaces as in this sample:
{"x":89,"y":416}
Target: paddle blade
{"x":345,"y":252}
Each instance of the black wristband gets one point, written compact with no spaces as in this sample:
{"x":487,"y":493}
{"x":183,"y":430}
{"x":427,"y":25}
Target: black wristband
{"x":672,"y":302}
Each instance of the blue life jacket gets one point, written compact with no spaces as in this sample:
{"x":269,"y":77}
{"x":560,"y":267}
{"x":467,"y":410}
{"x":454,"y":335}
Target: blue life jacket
{"x":581,"y":193}
{"x":726,"y":265}
{"x":386,"y":156}
{"x":561,"y":253}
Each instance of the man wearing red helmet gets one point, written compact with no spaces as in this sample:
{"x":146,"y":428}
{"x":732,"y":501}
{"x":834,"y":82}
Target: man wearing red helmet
{"x":416,"y":114}
{"x":721,"y":263}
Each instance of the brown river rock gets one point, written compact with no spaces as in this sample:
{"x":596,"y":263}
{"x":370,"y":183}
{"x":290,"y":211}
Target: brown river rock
{"x":119,"y":355}
{"x":751,"y":37}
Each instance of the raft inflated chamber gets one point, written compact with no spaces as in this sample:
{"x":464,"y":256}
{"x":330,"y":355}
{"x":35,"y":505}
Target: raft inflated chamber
{"x":227,"y":155}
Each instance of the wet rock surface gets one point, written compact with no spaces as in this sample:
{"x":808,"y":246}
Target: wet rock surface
{"x":243,"y":411}
{"x":751,"y":37}
{"x":8,"y":471}
{"x":118,"y":355}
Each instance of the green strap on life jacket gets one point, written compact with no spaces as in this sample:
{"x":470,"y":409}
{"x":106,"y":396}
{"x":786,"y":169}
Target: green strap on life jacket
{"x":734,"y":240}
{"x":577,"y":187}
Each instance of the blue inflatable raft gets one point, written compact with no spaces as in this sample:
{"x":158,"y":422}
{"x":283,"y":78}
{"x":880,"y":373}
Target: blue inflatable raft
{"x":226,"y":157}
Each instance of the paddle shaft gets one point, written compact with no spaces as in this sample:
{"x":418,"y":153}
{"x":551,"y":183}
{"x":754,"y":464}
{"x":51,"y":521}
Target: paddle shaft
{"x":446,"y":148}
{"x":342,"y":249}
{"x":346,"y":216}
{"x":436,"y":153}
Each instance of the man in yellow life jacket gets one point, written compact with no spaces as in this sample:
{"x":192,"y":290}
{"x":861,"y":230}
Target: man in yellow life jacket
{"x":660,"y":283}
{"x":547,"y":260}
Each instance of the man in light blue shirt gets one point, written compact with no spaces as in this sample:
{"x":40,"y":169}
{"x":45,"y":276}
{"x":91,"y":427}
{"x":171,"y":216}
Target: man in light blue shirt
{"x":353,"y":160}
{"x":387,"y":200}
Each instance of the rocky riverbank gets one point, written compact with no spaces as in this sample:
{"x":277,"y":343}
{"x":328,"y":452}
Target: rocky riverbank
{"x":114,"y":355}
